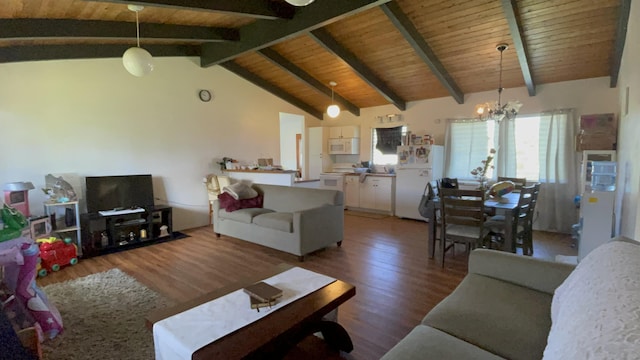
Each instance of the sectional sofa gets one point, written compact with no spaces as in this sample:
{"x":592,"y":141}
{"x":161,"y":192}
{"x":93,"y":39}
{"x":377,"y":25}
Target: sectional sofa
{"x":294,"y":220}
{"x":517,"y":307}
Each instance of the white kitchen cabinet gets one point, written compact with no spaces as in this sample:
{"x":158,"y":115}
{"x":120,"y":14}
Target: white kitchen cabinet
{"x":352,"y":191}
{"x":339,"y":132}
{"x":376,"y":193}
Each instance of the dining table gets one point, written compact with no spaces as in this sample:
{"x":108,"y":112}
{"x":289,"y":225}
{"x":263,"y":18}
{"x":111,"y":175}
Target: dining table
{"x":506,"y":204}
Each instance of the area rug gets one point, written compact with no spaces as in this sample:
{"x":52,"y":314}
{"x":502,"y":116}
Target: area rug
{"x":103,"y":316}
{"x":366,"y":214}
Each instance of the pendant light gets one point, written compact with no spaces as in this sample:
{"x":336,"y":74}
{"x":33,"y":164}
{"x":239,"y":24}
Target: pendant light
{"x":137,"y":60}
{"x":299,"y":2}
{"x":333,"y":110}
{"x":497,"y":111}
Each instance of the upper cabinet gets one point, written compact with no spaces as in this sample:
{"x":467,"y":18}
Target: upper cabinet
{"x":339,"y":132}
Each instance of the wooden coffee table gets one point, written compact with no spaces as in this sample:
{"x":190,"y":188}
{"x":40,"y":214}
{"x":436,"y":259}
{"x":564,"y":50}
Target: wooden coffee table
{"x":275,"y":334}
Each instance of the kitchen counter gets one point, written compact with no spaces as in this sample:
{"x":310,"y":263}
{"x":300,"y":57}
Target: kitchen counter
{"x":372,"y":174}
{"x":269,"y":177}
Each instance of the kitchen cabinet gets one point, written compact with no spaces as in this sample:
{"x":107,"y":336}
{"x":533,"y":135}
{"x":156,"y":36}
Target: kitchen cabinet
{"x":376,"y":193}
{"x":340,"y":132}
{"x":352,"y":192}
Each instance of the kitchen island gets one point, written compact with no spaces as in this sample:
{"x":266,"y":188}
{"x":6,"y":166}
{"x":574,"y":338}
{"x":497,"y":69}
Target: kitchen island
{"x":269,"y":177}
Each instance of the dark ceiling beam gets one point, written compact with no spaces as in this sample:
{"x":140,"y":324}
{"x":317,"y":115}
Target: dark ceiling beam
{"x":32,"y":29}
{"x":59,"y":52}
{"x":259,"y":9}
{"x":274,"y":90}
{"x":303,"y":76}
{"x":422,"y":49}
{"x":618,"y":47}
{"x":509,"y":7}
{"x":330,"y":44}
{"x":261,"y":33}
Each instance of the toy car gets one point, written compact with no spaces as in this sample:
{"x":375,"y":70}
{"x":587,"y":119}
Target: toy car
{"x":56,"y":254}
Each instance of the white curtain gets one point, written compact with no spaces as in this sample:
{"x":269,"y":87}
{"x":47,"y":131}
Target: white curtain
{"x":467,"y":143}
{"x":555,"y":210}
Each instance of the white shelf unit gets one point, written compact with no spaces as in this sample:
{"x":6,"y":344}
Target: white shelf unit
{"x":61,"y":228}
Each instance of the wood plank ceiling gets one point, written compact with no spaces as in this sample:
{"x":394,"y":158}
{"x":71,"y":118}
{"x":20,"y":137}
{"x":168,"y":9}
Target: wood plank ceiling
{"x":379,"y":52}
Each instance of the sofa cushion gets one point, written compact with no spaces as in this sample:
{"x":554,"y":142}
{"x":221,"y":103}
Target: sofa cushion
{"x":275,"y":220}
{"x":506,"y":319}
{"x":230,"y":204}
{"x":291,"y":199}
{"x":240,"y":191}
{"x":425,"y":342}
{"x":243,"y":215}
{"x":596,"y":310}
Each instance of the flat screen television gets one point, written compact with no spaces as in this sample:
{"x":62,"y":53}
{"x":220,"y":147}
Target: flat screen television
{"x":121,"y":191}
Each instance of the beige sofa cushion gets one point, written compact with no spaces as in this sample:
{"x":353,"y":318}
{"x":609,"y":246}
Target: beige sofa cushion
{"x":243,"y":215}
{"x":506,"y":319}
{"x":596,"y":311}
{"x":275,"y":220}
{"x":424,"y":342}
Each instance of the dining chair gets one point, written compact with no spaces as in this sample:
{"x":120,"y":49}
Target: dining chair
{"x":526,"y":236}
{"x":462,"y":213}
{"x":519,"y":182}
{"x":523,"y":236}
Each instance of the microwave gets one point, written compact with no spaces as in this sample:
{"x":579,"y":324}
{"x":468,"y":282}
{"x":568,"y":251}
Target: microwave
{"x":344,"y":146}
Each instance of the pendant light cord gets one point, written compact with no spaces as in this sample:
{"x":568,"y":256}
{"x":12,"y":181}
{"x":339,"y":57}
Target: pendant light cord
{"x":500,"y":80}
{"x":137,"y":29}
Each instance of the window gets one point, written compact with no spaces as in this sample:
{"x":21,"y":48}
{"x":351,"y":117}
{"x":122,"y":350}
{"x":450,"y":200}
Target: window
{"x":378,"y":157}
{"x":519,"y":153}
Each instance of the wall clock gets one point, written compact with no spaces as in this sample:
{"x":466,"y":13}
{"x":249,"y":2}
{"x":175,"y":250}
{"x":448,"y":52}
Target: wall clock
{"x":205,"y":95}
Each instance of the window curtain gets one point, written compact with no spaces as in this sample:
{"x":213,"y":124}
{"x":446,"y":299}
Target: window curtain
{"x":555,"y":210}
{"x":389,"y":139}
{"x":506,"y":148}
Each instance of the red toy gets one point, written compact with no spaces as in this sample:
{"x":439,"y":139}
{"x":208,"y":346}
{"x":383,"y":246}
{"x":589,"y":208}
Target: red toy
{"x":56,"y":254}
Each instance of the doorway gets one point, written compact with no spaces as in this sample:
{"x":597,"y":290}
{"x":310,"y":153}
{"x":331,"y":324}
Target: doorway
{"x":292,"y":143}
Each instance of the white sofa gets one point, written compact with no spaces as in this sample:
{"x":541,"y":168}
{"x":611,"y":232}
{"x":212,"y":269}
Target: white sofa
{"x":294,"y":220}
{"x":516,"y":307}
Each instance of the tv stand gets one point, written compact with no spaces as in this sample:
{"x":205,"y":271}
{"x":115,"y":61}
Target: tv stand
{"x":115,"y":230}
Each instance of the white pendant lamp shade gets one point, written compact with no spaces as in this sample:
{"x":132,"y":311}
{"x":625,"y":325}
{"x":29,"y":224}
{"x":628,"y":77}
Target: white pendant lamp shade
{"x":137,"y":61}
{"x":333,"y":111}
{"x":299,"y":2}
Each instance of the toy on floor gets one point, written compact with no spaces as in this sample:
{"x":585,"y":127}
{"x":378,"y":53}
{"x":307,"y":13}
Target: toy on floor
{"x":55,"y":253}
{"x":21,"y":279}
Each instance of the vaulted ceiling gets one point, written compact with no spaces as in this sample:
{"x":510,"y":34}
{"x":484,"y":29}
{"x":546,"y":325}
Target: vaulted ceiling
{"x":378,"y":52}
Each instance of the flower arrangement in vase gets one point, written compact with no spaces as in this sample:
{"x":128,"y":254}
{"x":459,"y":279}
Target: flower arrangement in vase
{"x":480,"y":173}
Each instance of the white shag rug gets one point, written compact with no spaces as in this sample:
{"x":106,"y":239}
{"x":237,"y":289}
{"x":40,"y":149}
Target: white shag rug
{"x":103,"y":317}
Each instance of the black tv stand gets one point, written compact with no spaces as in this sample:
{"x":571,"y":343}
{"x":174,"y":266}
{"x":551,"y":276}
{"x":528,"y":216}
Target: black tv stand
{"x":115,"y":230}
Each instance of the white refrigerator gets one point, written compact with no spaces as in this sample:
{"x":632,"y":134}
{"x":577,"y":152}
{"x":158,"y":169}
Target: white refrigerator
{"x":417,"y":165}
{"x":596,"y":220}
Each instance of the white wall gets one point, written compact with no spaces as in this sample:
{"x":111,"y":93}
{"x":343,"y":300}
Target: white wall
{"x":591,"y":96}
{"x":628,"y":144}
{"x":91,"y":117}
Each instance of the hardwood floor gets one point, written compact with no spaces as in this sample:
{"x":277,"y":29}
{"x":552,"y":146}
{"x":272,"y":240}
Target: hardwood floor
{"x":386,"y":259}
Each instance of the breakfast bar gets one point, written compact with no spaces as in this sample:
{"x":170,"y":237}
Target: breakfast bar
{"x":268,"y":177}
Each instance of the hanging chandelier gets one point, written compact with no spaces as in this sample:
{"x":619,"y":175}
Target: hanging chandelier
{"x":137,"y":60}
{"x":333,"y":110}
{"x":496,"y":110}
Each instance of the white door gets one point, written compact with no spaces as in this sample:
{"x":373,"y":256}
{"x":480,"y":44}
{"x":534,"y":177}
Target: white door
{"x":315,"y":152}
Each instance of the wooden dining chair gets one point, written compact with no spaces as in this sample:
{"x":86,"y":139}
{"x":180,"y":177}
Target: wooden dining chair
{"x":463,"y":217}
{"x":523,"y":236}
{"x":519,"y":182}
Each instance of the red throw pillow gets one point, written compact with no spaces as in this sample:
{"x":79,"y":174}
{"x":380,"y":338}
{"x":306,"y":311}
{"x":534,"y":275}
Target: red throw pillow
{"x":230,"y":204}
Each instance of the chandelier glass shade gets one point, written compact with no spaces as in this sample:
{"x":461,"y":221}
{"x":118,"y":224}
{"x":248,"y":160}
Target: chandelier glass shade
{"x":333,"y":110}
{"x":299,"y":2}
{"x":496,"y":110}
{"x":137,"y":60}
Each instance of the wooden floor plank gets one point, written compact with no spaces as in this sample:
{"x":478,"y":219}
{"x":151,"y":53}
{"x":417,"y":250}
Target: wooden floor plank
{"x":386,"y":259}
